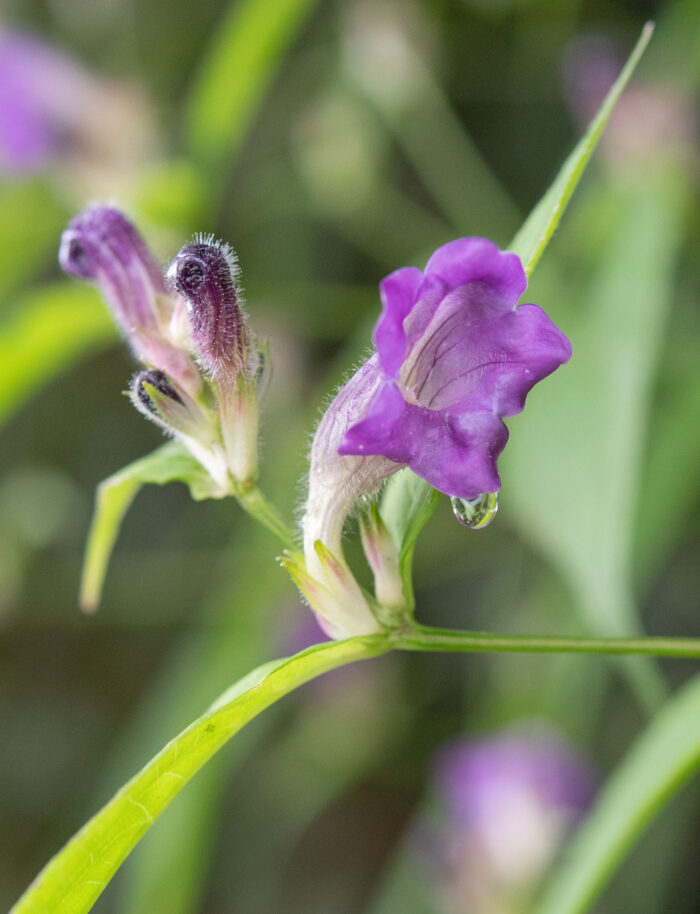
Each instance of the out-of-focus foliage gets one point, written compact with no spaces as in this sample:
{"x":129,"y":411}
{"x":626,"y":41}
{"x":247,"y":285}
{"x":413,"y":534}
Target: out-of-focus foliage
{"x":364,"y":135}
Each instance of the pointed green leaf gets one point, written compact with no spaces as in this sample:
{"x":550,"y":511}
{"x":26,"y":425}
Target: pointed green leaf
{"x":74,"y":879}
{"x":538,"y":228}
{"x":169,"y":463}
{"x":661,"y":761}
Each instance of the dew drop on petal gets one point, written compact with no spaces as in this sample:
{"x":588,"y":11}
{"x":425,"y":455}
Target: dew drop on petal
{"x":476,"y":513}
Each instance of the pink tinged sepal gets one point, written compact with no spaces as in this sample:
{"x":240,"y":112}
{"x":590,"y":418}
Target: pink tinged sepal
{"x":383,"y":558}
{"x":333,"y":594}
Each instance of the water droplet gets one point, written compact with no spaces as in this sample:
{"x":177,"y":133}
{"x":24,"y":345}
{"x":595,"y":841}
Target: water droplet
{"x":478,"y":512}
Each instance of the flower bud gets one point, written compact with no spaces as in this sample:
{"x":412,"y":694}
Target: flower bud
{"x":159,"y":399}
{"x":102,"y":245}
{"x":204,"y":273}
{"x":383,"y":557}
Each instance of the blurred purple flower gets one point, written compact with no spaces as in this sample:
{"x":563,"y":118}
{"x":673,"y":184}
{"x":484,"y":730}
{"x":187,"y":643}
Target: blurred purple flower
{"x":506,"y":803}
{"x":42,"y":93}
{"x":454,"y":355}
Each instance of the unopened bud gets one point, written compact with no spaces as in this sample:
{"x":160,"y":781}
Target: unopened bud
{"x":205,"y":275}
{"x":101,"y":245}
{"x":170,"y":407}
{"x":383,"y":558}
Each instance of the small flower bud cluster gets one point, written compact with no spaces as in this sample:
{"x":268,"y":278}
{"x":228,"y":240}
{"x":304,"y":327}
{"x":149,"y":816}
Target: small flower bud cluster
{"x":189,"y":330}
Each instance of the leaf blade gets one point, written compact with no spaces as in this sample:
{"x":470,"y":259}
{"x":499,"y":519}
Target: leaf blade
{"x":647,"y":777}
{"x":169,"y":463}
{"x":74,"y":879}
{"x":537,"y":230}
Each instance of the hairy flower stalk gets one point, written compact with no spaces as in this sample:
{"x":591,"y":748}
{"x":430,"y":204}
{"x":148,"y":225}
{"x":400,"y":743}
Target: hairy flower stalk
{"x":454,"y":355}
{"x":205,"y":274}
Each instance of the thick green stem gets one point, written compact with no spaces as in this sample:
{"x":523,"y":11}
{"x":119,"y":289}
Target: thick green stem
{"x":423,"y":638}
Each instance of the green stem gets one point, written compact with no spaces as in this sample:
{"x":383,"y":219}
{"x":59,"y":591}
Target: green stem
{"x":423,"y":638}
{"x":256,"y":504}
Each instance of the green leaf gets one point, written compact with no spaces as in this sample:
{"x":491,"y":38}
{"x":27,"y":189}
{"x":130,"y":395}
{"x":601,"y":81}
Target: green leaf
{"x":405,"y":491}
{"x":572,"y":468}
{"x":32,"y":219}
{"x":74,"y":879}
{"x":662,"y":760}
{"x":247,"y":47}
{"x":49,"y":330}
{"x":538,"y":228}
{"x":169,"y":463}
{"x":407,"y":504}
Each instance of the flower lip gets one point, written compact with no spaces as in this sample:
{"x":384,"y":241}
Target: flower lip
{"x":456,"y":355}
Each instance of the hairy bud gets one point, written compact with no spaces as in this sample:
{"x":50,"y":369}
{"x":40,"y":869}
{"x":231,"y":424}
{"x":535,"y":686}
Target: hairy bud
{"x":205,"y":274}
{"x":172,"y":408}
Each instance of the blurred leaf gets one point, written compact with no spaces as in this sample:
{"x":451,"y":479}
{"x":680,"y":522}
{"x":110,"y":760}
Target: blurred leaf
{"x":74,"y":879}
{"x":246,"y":49}
{"x":661,"y":761}
{"x":529,"y":244}
{"x":671,"y":474}
{"x":572,"y":467}
{"x":413,"y":104}
{"x":536,"y":232}
{"x":407,"y":505}
{"x":169,"y":463}
{"x":31,"y":222}
{"x":50,"y":329}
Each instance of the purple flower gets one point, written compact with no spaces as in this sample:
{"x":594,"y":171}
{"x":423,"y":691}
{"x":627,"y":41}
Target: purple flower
{"x":41,"y":95}
{"x":454,"y":356}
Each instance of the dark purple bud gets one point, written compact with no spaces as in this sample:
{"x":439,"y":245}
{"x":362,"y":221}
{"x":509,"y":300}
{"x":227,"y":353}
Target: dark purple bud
{"x":157,"y":380}
{"x":204,"y":273}
{"x":102,"y":245}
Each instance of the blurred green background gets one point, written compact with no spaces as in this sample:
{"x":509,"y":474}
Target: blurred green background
{"x":330,"y":143}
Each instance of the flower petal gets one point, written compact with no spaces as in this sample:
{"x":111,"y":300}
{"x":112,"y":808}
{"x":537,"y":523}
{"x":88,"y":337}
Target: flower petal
{"x":398,"y":292}
{"x":497,"y":360}
{"x":375,"y":434}
{"x":469,"y":260}
{"x":456,"y":455}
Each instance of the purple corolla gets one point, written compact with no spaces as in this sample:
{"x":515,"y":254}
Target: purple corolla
{"x":454,"y":356}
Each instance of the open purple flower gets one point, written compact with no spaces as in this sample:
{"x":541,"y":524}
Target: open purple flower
{"x":454,"y":356}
